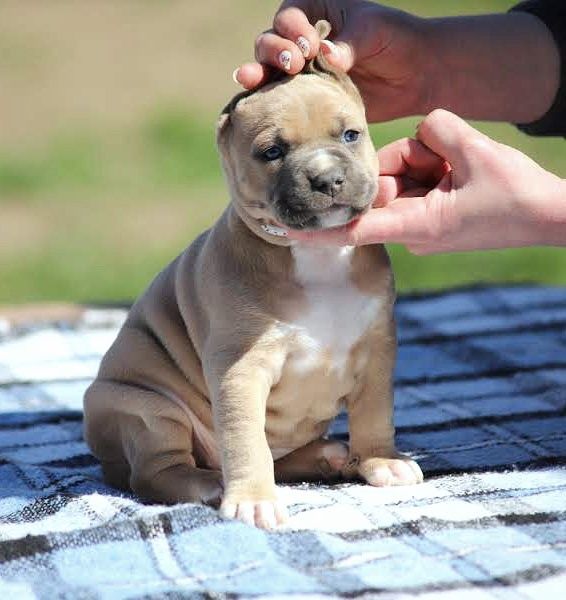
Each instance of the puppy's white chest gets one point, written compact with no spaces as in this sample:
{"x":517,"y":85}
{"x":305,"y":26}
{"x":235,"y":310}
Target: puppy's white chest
{"x":337,"y":313}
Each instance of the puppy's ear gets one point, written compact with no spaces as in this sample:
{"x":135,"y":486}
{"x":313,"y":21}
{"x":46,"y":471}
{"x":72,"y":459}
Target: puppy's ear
{"x":224,"y":119}
{"x":323,"y":28}
{"x":223,"y":124}
{"x":320,"y":66}
{"x":222,"y":127}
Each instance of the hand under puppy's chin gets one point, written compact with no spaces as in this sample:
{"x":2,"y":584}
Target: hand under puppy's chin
{"x":326,"y":223}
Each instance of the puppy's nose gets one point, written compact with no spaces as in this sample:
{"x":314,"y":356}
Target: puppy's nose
{"x":328,"y":182}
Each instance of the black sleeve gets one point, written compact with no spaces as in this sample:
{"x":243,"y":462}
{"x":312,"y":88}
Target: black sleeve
{"x":553,"y":14}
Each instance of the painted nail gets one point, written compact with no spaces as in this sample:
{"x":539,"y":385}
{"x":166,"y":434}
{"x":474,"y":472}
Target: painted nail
{"x":272,"y":230}
{"x":328,"y":47}
{"x":304,"y":45}
{"x":285,"y":59}
{"x":235,"y":76}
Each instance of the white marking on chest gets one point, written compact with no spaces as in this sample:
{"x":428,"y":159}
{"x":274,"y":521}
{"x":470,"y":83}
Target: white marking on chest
{"x":337,"y":312}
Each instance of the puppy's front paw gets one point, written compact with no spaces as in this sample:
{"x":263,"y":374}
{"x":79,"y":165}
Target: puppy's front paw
{"x":383,"y":472}
{"x":266,"y":514}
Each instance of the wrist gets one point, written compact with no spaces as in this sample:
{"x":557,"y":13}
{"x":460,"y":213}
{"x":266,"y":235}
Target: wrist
{"x":503,"y":67}
{"x":427,"y":72}
{"x":420,"y":83}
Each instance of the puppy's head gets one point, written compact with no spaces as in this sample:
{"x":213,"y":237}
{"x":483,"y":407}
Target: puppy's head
{"x":297,"y":152}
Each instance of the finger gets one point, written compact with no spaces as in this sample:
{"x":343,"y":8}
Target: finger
{"x":292,"y":24}
{"x":279,"y":52}
{"x":346,"y":46}
{"x":338,"y":54}
{"x":424,"y":249}
{"x":337,"y":236}
{"x":410,"y":157}
{"x":389,"y":188}
{"x":449,"y":136}
{"x":250,"y":75}
{"x":356,"y":35}
{"x":414,"y":192}
{"x":400,"y":222}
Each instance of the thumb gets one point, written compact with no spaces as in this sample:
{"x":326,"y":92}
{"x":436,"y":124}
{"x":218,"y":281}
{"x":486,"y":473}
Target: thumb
{"x":450,"y":137}
{"x":345,"y":48}
{"x":339,"y":54}
{"x":357,"y":36}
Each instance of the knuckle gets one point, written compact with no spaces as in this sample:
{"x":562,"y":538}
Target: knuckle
{"x":281,"y":20}
{"x":259,"y":46}
{"x":480,"y":148}
{"x":437,"y":120}
{"x":435,"y":117}
{"x":440,"y":217}
{"x":262,"y":38}
{"x":352,"y":236}
{"x":285,"y":16}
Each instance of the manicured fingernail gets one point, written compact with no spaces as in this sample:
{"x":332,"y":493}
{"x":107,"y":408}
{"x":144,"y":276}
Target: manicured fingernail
{"x":328,"y":47}
{"x":285,"y":59}
{"x":304,"y":45}
{"x":235,"y":75}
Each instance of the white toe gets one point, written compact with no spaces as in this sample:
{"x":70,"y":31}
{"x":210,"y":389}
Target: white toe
{"x":265,"y":515}
{"x":228,"y":510}
{"x":246,"y":513}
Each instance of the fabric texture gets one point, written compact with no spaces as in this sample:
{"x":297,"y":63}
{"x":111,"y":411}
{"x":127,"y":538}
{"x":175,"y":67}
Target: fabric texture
{"x":480,"y":403}
{"x":553,"y":14}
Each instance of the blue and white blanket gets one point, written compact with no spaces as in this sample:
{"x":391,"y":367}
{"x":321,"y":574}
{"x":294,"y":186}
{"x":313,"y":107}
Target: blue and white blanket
{"x":480,"y":402}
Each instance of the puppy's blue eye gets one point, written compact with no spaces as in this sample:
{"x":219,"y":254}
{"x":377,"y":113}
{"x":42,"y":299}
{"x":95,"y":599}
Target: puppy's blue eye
{"x":350,"y":135}
{"x":273,"y":153}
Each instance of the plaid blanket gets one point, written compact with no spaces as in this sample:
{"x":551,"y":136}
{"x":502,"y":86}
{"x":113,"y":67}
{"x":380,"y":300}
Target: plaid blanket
{"x":480,"y":402}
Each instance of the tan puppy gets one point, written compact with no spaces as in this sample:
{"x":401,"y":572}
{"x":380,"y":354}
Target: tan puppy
{"x":243,"y":349}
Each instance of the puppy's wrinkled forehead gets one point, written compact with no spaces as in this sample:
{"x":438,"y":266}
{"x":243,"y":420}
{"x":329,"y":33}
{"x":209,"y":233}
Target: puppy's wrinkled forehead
{"x":318,"y":101}
{"x":298,"y":110}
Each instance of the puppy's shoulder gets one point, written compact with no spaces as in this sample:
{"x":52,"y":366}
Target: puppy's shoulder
{"x":371,"y":271}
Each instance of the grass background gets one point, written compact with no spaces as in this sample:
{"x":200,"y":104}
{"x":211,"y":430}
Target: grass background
{"x":107,"y":161}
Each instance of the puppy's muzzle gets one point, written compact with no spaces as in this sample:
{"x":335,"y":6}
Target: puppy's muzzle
{"x":322,"y":187}
{"x":329,"y":180}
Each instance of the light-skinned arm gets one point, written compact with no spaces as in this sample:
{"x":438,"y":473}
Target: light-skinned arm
{"x":454,"y":189}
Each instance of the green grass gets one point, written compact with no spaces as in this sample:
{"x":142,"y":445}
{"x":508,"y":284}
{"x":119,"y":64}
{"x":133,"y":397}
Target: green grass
{"x":172,"y":148}
{"x":525,"y":265}
{"x":180,"y":148}
{"x":67,"y":161}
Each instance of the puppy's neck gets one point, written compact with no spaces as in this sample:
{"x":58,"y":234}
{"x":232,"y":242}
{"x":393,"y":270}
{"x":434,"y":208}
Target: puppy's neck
{"x":307,"y":264}
{"x":256,"y":228}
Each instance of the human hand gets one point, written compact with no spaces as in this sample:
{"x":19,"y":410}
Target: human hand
{"x":383,"y":49}
{"x":476,"y":66}
{"x":454,"y":189}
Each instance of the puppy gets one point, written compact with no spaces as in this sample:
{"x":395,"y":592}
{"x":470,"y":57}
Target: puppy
{"x":230,"y":367}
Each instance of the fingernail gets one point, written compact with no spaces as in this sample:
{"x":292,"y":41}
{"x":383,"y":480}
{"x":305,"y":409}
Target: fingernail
{"x":304,"y":45}
{"x":328,"y":47}
{"x":235,"y":76}
{"x":285,"y":59}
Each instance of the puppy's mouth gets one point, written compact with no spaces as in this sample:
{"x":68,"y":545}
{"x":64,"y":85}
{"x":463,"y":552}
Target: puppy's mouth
{"x":329,"y":218}
{"x":335,"y":215}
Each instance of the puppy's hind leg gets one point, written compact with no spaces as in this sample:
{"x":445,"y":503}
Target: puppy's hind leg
{"x":320,"y":460}
{"x":152,"y":442}
{"x":373,"y":455}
